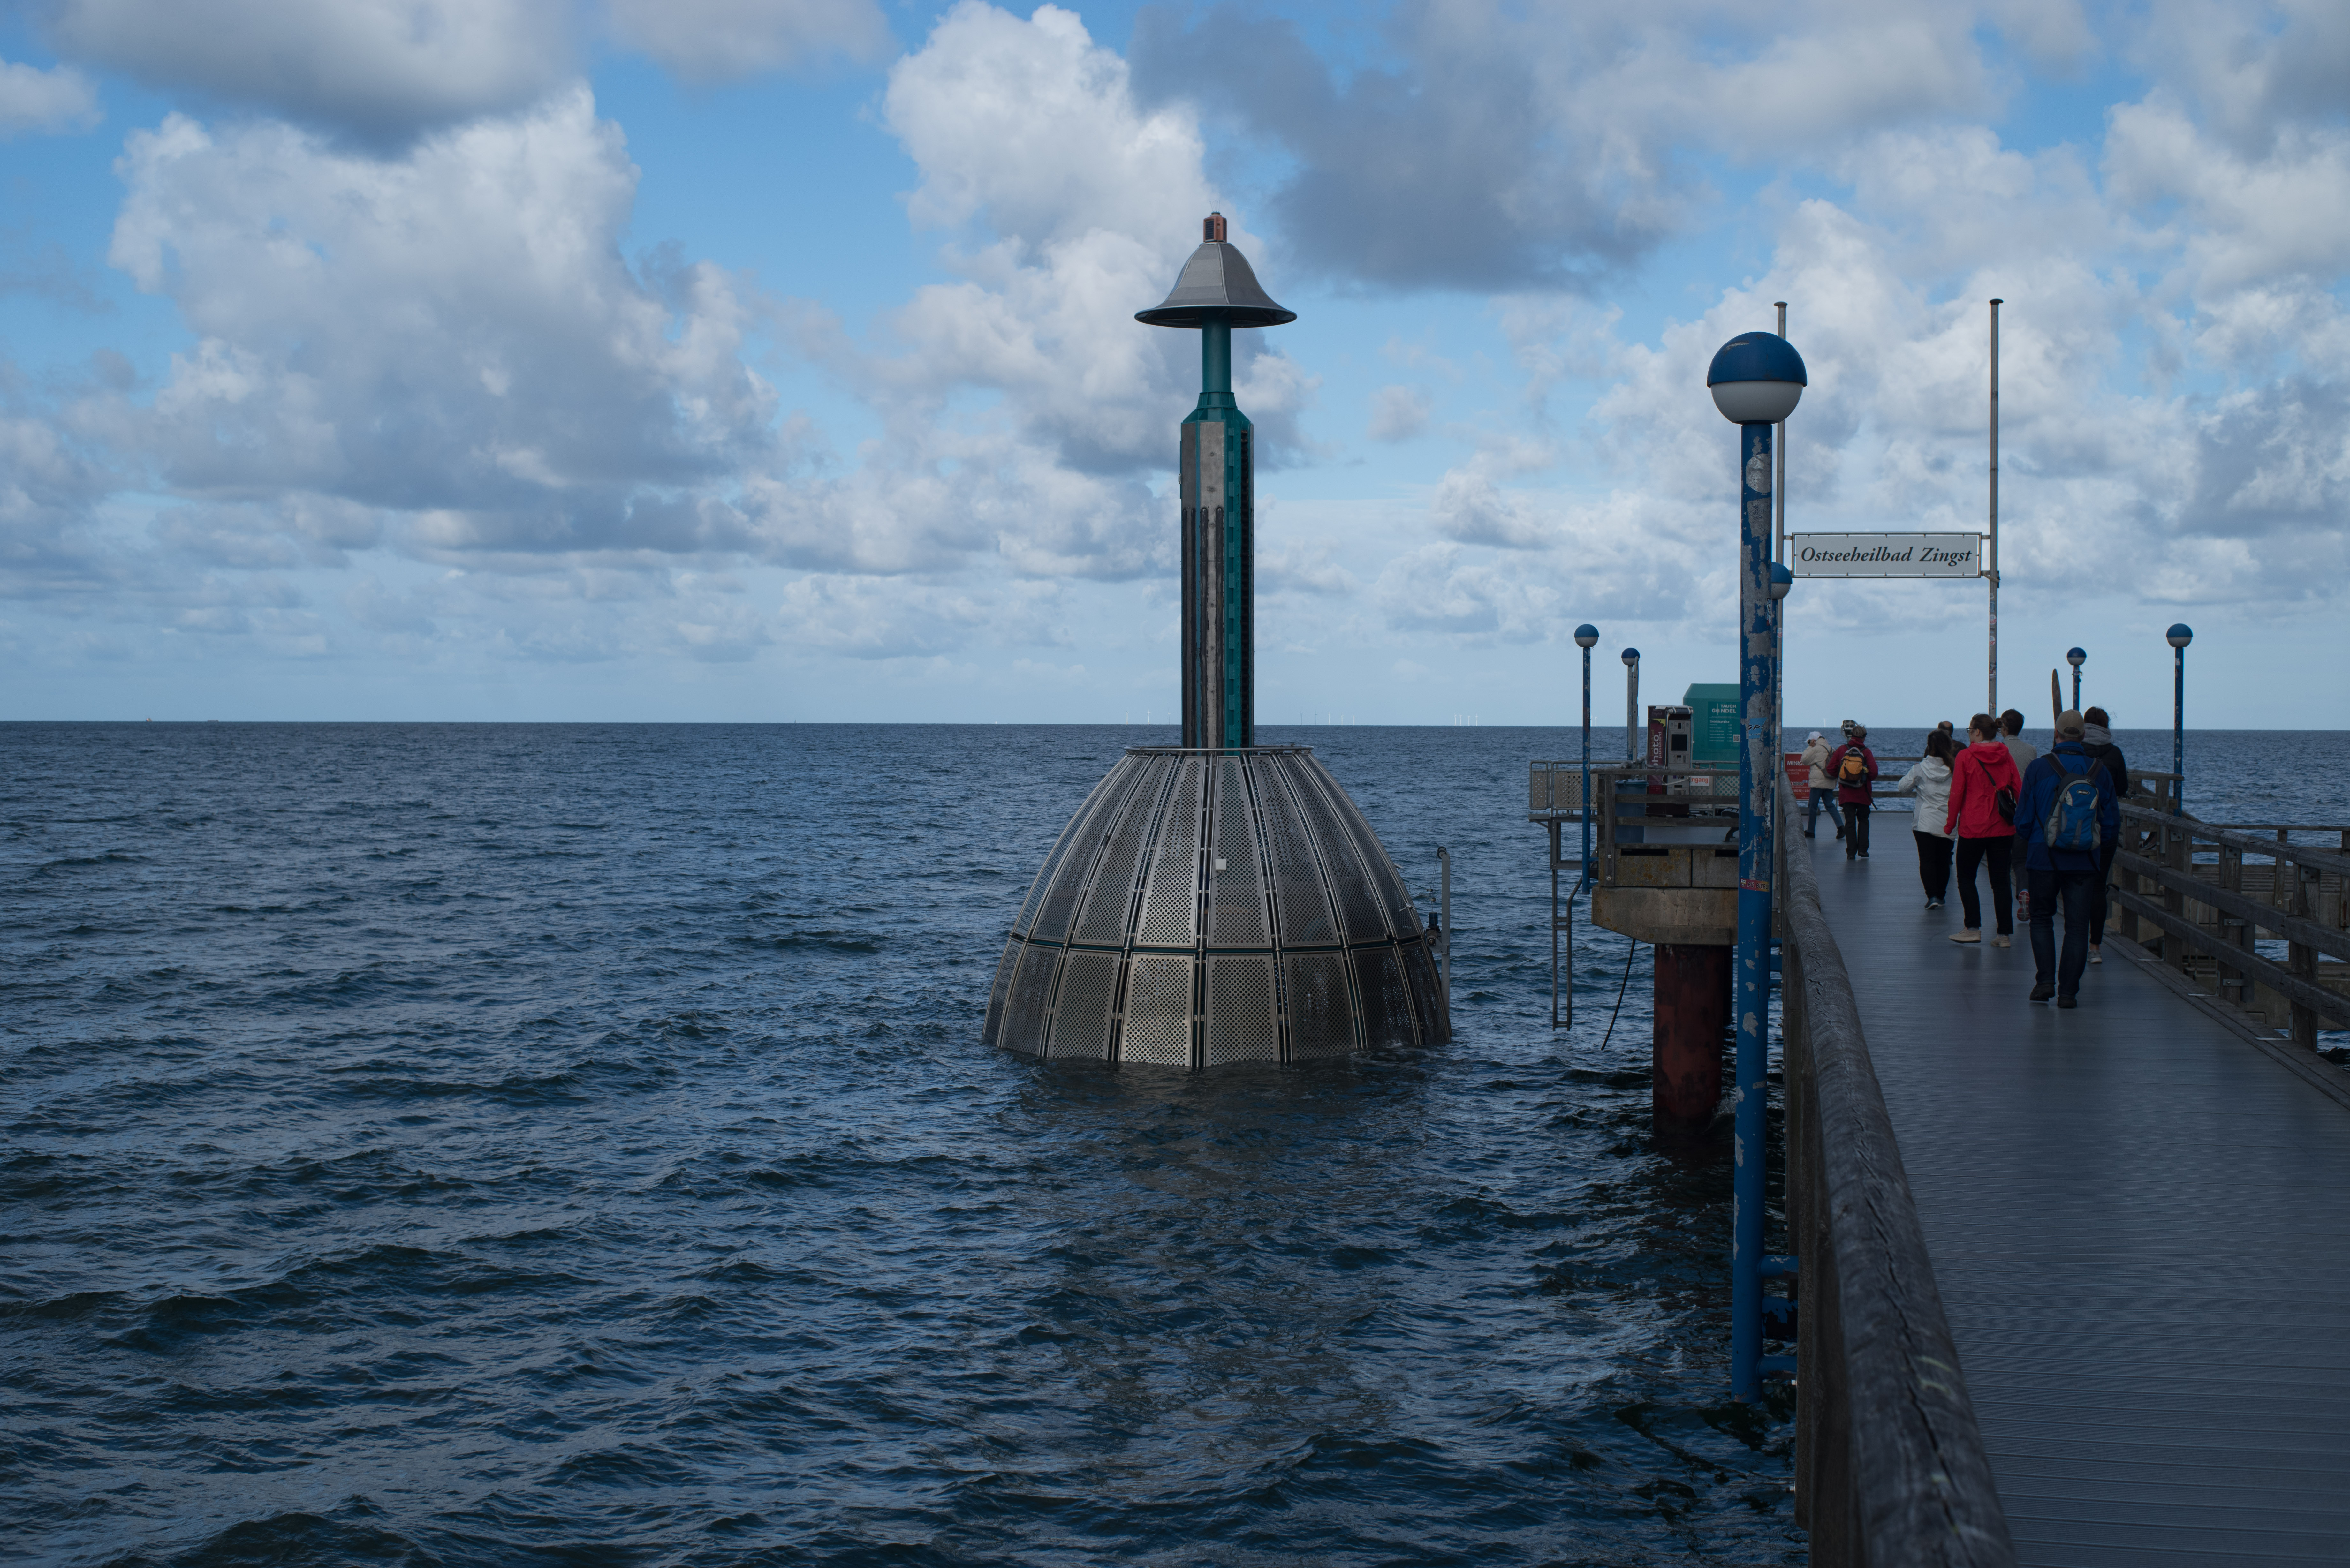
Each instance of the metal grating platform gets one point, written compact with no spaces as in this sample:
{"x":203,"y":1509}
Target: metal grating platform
{"x":1192,"y":915}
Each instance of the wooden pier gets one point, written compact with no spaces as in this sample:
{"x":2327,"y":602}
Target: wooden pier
{"x":2075,"y":1285}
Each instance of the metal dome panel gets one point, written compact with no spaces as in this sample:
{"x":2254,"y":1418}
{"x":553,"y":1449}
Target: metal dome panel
{"x":1207,"y":907}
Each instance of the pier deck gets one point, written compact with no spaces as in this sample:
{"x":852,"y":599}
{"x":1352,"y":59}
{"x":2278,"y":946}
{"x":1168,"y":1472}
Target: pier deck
{"x":2138,"y":1224}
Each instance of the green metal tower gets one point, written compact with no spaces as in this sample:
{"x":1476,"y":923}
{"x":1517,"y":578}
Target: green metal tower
{"x":1220,"y":902}
{"x":1215,"y":293}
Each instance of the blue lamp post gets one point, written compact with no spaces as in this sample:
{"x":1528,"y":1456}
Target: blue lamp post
{"x":2180,"y":635}
{"x":2076,"y":656}
{"x":1585,"y":636}
{"x":1756,"y":378}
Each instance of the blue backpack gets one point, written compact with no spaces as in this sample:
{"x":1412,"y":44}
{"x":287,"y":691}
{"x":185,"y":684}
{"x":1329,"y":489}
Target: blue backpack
{"x":2072,"y":816}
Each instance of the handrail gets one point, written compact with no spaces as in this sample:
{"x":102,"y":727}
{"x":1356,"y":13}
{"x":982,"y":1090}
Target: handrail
{"x":2343,"y":828}
{"x":1889,"y":1461}
{"x":2301,"y":854}
{"x":2157,"y":877}
{"x":2300,"y":992}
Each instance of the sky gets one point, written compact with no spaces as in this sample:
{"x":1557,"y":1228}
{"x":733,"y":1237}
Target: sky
{"x":774,"y":361}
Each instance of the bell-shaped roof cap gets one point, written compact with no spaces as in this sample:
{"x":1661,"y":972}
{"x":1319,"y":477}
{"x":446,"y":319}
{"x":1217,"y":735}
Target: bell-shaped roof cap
{"x":1216,"y":284}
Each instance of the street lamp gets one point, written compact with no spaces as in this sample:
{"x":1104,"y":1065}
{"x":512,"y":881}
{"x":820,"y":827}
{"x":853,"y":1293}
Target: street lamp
{"x":2180,"y":635}
{"x":1585,"y":636}
{"x":1756,"y":378}
{"x":2076,"y":656}
{"x":1632,"y":704}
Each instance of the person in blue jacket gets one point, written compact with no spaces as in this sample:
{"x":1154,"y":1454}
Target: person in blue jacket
{"x":2062,"y":874}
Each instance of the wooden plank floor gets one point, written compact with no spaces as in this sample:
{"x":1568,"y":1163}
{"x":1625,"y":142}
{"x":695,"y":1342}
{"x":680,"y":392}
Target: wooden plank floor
{"x":2141,"y":1229}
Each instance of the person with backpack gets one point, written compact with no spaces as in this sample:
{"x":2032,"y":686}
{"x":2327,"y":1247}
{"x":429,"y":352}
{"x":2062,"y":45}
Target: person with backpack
{"x":1928,"y":779}
{"x":2068,"y":814}
{"x":2097,"y":739}
{"x":1984,"y":789}
{"x":1853,"y":767}
{"x":1820,"y":794}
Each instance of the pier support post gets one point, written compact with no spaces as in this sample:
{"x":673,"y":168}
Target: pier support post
{"x":1693,"y":1013}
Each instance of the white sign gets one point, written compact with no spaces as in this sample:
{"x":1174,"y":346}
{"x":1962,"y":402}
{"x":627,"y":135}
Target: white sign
{"x":1885,"y":554}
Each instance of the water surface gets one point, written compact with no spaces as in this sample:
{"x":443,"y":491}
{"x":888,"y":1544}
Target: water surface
{"x":572,"y":1143}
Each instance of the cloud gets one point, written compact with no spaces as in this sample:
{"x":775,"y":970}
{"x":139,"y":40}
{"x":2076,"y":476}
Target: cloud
{"x":863,"y":618}
{"x":1303,"y":566}
{"x":1032,"y":129}
{"x":2253,"y":218}
{"x":31,"y":99}
{"x":1434,"y":589}
{"x":449,"y":335}
{"x":1491,"y":149}
{"x":1470,"y":507}
{"x":2253,"y":70}
{"x":1026,"y":413}
{"x":439,"y":353}
{"x":1451,"y":168}
{"x":2108,"y":486}
{"x":418,"y":358}
{"x":1399,"y":413}
{"x":381,"y":70}
{"x":49,"y":487}
{"x":2274,"y":461}
{"x":719,"y":40}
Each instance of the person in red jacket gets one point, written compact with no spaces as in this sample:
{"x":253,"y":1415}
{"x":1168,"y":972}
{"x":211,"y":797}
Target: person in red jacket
{"x":1854,"y":787}
{"x":1981,"y":771}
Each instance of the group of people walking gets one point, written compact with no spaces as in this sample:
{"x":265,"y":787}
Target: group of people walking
{"x":1993,"y":800}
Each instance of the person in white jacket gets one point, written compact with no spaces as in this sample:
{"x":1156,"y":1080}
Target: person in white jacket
{"x":1822,"y":790}
{"x":1928,"y":779}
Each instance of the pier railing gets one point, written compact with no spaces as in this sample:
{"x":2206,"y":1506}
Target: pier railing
{"x":1890,"y":1462}
{"x":2215,"y":893}
{"x":2148,"y":788}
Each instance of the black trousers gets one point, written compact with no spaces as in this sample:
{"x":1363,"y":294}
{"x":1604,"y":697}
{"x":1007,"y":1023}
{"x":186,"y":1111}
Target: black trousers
{"x":1973,"y":852}
{"x":2072,"y":889}
{"x":1934,"y":861}
{"x":1855,"y":828}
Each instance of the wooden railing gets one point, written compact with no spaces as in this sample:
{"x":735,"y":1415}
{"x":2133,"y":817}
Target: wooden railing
{"x":2217,"y":910}
{"x":1890,"y":1462}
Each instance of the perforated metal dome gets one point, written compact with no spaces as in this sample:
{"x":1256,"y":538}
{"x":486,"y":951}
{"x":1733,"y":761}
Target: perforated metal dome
{"x":1205,"y":908}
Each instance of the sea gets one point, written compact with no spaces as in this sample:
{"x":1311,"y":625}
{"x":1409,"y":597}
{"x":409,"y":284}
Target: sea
{"x":573,"y":1145}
